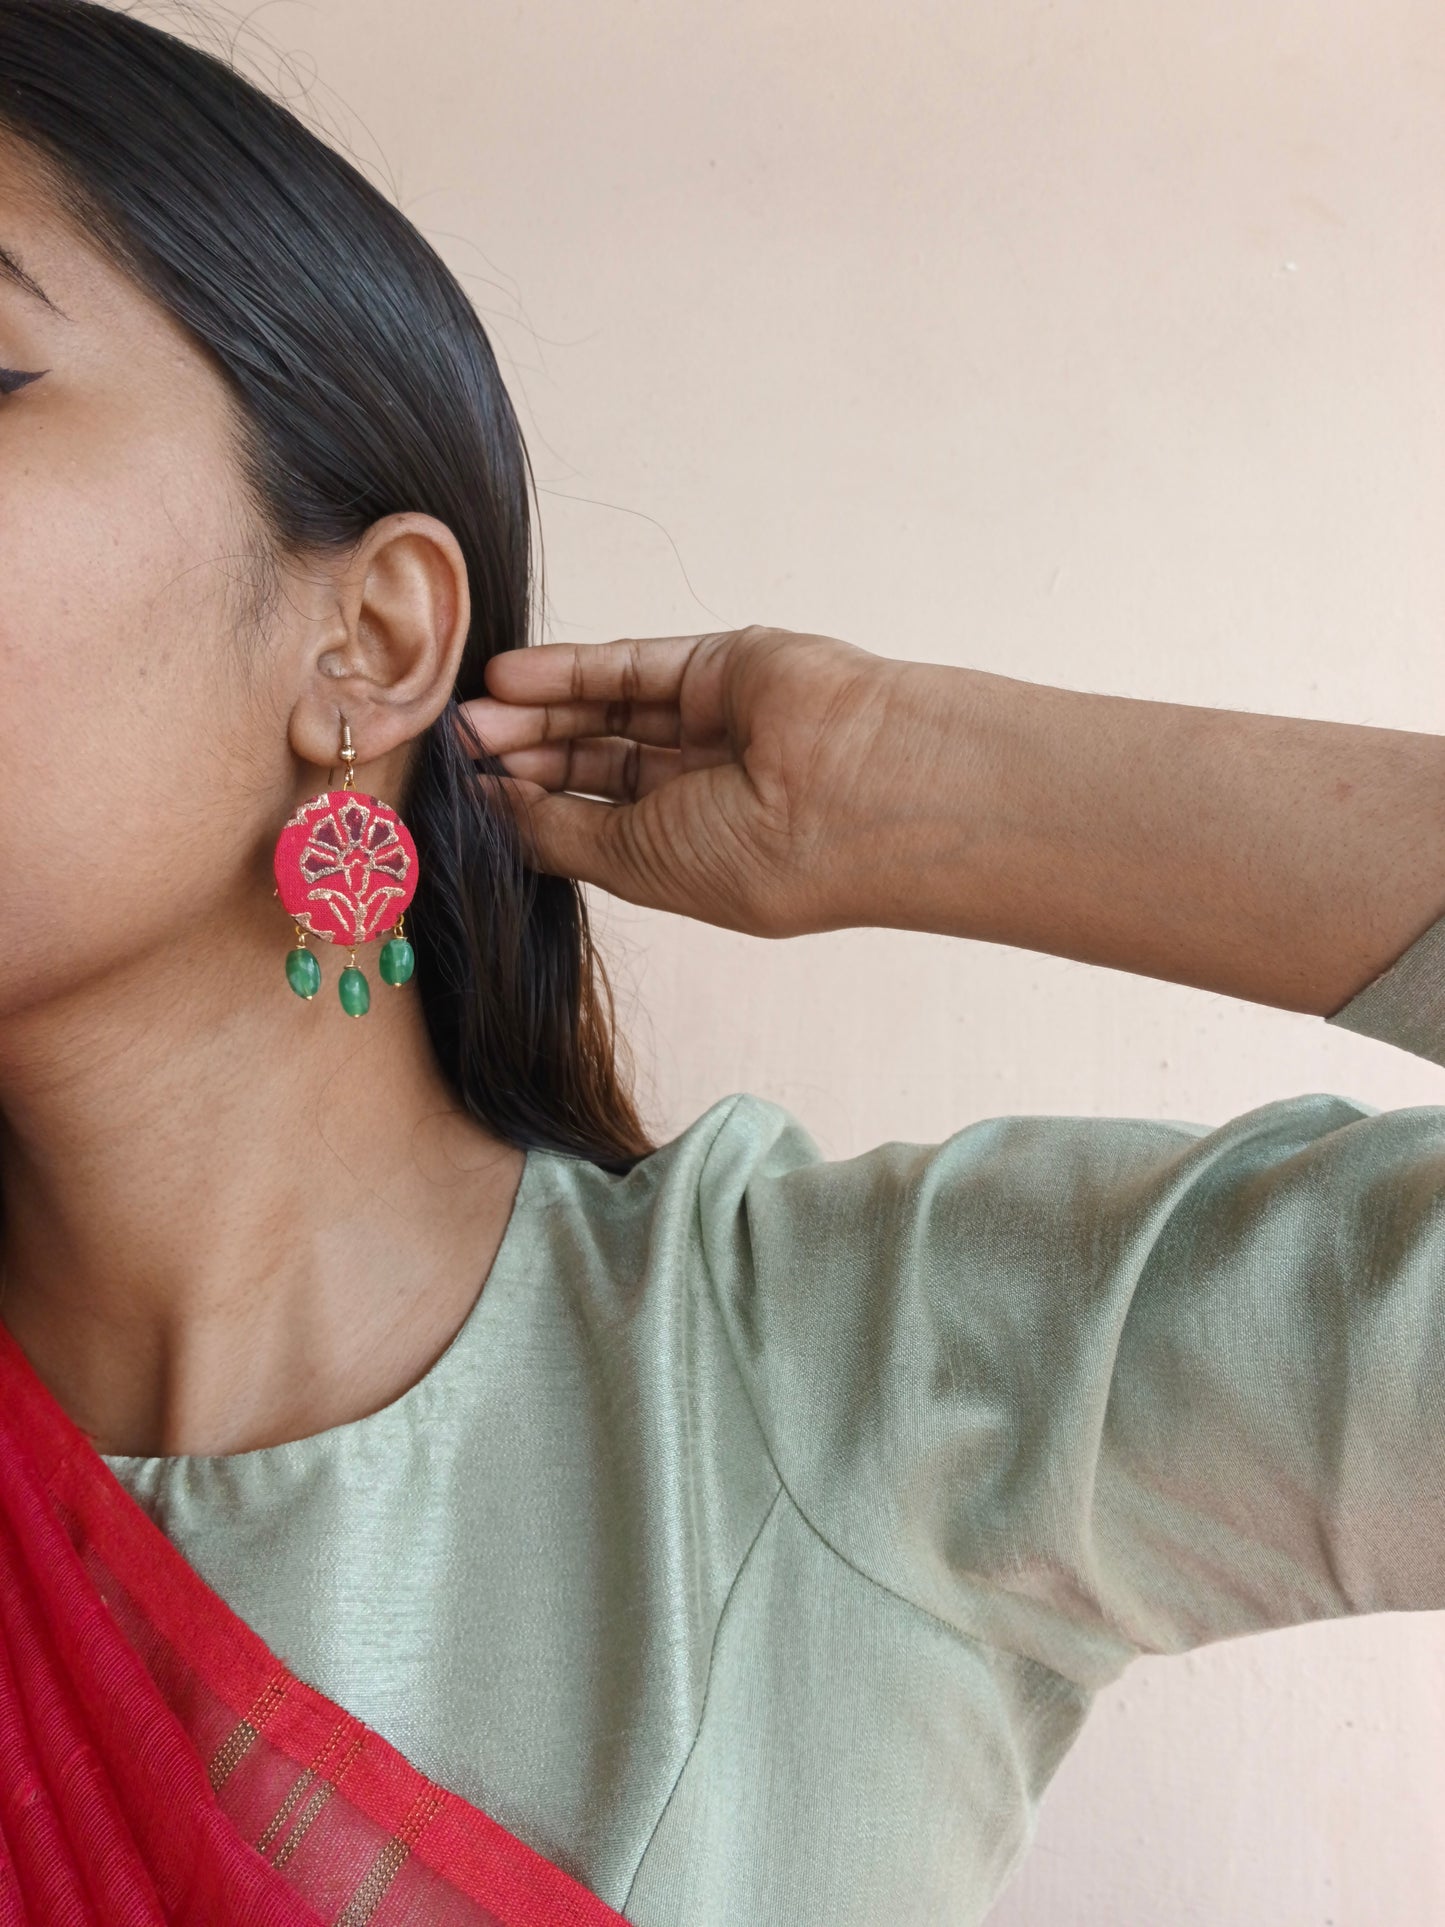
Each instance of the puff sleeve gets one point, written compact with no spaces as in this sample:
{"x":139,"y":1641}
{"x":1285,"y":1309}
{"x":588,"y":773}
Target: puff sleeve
{"x":1088,"y":1388}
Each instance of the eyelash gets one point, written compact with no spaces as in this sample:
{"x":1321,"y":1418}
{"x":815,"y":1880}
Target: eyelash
{"x":12,"y":380}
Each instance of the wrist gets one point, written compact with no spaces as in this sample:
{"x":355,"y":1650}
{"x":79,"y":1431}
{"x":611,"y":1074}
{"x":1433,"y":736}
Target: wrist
{"x":912,"y":829}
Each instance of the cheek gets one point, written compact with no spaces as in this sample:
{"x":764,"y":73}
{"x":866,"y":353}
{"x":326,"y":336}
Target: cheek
{"x":119,"y":694}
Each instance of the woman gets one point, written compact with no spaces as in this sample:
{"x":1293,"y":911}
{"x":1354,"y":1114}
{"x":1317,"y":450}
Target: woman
{"x":423,"y":1499}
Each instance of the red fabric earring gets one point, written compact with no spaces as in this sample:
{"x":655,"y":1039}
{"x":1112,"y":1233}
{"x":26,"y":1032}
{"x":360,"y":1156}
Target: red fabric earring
{"x":346,"y":871}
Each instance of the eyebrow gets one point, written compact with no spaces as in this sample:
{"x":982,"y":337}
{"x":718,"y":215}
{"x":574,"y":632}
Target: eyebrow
{"x":13,"y":269}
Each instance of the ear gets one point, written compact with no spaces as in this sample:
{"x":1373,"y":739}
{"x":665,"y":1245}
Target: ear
{"x":385,"y":652}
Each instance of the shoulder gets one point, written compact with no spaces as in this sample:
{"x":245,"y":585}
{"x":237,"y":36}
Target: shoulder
{"x":594,"y":1222}
{"x":722,"y":1146}
{"x":746,"y":1182}
{"x":684,"y":1221}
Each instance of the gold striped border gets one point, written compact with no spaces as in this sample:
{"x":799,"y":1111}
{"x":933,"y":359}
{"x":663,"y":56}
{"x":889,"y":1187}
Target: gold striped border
{"x":283,"y":1812}
{"x":321,"y":1787}
{"x":244,"y":1734}
{"x":372,"y":1890}
{"x":319,"y":1796}
{"x":390,"y":1860}
{"x":230,"y":1753}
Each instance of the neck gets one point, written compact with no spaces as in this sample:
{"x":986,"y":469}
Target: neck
{"x":231,"y":1217}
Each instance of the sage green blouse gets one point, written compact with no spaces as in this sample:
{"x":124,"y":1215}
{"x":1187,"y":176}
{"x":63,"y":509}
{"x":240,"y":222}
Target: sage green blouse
{"x":757,"y":1544}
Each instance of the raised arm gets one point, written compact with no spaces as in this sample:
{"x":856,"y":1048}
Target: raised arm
{"x":779,"y":782}
{"x":1078,"y":1387}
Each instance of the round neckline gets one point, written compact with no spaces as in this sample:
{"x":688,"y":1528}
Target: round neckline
{"x":422,"y":1389}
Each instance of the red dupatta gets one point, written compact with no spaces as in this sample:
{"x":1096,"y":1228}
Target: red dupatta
{"x":160,"y":1765}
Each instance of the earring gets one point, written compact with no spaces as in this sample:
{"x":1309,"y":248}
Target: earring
{"x":346,"y":871}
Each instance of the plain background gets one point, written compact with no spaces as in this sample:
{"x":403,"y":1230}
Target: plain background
{"x":1095,"y":342}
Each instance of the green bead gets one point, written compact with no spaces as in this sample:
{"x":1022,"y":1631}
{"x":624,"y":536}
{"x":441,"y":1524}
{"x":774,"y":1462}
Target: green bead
{"x":398,"y":961}
{"x":303,"y":973}
{"x":354,"y":992}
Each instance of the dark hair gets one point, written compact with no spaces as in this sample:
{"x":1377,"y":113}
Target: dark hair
{"x":364,"y":384}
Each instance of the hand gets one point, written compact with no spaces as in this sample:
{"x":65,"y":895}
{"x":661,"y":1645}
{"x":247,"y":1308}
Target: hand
{"x":727,"y":766}
{"x":779,"y":783}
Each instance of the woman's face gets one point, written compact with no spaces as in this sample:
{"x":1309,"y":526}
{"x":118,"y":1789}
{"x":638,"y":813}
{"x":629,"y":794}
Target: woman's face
{"x":144,"y":764}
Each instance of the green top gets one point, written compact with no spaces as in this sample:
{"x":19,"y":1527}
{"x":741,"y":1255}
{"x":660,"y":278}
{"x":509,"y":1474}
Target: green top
{"x":757,"y":1544}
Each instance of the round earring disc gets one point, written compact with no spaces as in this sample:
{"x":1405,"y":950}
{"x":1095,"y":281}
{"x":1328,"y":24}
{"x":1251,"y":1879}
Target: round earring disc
{"x":346,"y":866}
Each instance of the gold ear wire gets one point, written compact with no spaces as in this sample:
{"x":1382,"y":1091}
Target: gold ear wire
{"x":348,"y":755}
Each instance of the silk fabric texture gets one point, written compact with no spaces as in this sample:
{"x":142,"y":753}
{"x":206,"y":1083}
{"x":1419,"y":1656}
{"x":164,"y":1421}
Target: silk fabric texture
{"x":756,"y":1547}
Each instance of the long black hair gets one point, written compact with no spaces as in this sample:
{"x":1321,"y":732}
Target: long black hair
{"x":364,"y":384}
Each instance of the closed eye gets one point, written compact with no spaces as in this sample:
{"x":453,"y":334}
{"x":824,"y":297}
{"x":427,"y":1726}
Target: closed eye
{"x":12,"y":379}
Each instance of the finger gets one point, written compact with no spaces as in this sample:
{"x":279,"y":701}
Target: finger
{"x":596,"y":766}
{"x":568,"y":835}
{"x":504,"y":726}
{"x":634,"y":669}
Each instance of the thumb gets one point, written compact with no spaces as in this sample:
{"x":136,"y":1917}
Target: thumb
{"x":565,"y":835}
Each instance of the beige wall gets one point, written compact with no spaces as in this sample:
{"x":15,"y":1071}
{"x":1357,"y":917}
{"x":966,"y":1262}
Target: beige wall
{"x":1096,"y":342}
